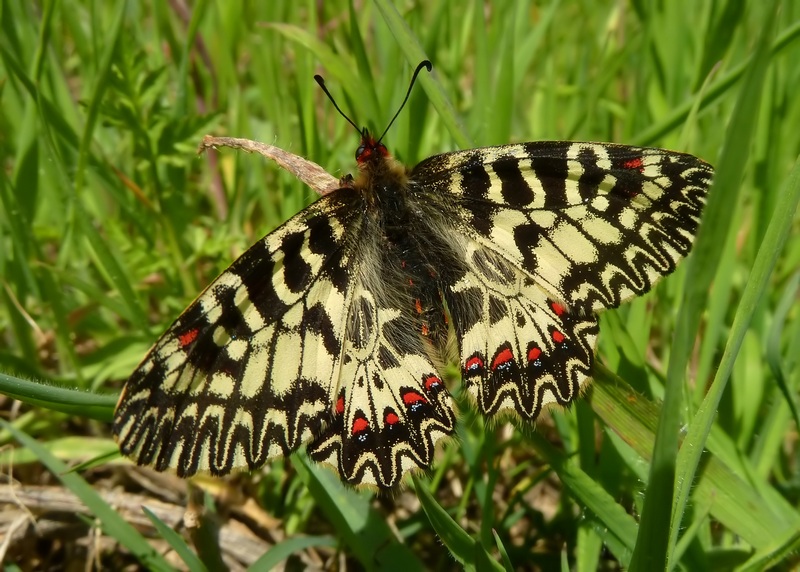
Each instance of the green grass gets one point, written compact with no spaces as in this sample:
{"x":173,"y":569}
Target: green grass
{"x":682,"y":454}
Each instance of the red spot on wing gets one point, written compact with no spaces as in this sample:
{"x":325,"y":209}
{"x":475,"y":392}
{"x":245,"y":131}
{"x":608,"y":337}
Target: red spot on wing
{"x":412,"y":398}
{"x":340,"y":405}
{"x":633,"y":164}
{"x":425,"y":329}
{"x":474,"y":364}
{"x":432,"y":382}
{"x":557,"y":308}
{"x":188,"y":337}
{"x":558,"y":337}
{"x":534,"y":353}
{"x":391,"y":418}
{"x":503,"y":358}
{"x":418,"y":306}
{"x":360,"y":424}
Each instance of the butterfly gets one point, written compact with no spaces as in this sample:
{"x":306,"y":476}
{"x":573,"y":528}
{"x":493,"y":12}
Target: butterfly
{"x":334,"y":330}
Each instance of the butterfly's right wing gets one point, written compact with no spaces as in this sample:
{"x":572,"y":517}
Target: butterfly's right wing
{"x":554,"y":231}
{"x":594,"y":224}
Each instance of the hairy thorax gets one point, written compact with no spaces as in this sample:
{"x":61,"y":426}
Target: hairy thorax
{"x":407,"y":239}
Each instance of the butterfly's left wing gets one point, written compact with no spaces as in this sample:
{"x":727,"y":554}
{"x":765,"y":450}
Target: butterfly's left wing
{"x":555,"y":231}
{"x":289,"y":346}
{"x":250,"y":370}
{"x":392,"y":408}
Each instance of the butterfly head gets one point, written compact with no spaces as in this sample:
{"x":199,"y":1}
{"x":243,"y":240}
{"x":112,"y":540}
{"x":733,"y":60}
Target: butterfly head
{"x":370,"y":150}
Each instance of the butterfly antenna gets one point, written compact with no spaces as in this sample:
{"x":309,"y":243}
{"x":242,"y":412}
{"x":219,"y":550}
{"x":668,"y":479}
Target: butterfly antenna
{"x":423,"y":64}
{"x":321,"y":82}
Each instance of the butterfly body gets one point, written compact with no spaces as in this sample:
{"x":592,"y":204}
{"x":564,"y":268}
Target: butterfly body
{"x":334,"y":329}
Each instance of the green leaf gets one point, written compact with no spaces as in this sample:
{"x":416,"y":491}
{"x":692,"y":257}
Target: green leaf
{"x":282,"y":550}
{"x":656,"y":541}
{"x":64,"y":399}
{"x":470,"y":553}
{"x":177,"y":543}
{"x":112,"y":523}
{"x":361,"y":527}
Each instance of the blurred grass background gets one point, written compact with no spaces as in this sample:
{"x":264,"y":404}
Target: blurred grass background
{"x":110,"y":224}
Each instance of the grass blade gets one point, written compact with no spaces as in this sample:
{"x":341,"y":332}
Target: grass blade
{"x":415,"y":54}
{"x":177,"y":543}
{"x":66,"y":400}
{"x":360,"y":526}
{"x":282,"y":550}
{"x":113,"y":524}
{"x":655,"y":540}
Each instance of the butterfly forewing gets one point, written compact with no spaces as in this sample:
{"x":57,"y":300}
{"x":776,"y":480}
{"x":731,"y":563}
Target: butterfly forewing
{"x":250,"y":370}
{"x":593,"y":224}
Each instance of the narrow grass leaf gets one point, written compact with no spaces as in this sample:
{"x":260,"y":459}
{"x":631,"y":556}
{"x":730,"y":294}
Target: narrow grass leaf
{"x":49,"y":111}
{"x":359,"y":49}
{"x":198,"y":13}
{"x":656,"y":540}
{"x":757,"y":285}
{"x":414,"y":55}
{"x":66,"y":400}
{"x":718,"y":88}
{"x":719,"y":33}
{"x":66,"y":448}
{"x":773,"y":346}
{"x":360,"y":526}
{"x":193,"y":563}
{"x":528,"y":46}
{"x":721,"y":204}
{"x":768,"y":557}
{"x":509,"y":567}
{"x":757,"y":516}
{"x":699,"y":522}
{"x":113,"y":270}
{"x":335,"y":68}
{"x":101,"y":85}
{"x":460,"y":544}
{"x":283,"y":550}
{"x":589,"y":493}
{"x":113,"y":524}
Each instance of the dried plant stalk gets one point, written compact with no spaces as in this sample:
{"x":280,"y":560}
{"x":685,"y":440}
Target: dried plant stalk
{"x":307,"y":171}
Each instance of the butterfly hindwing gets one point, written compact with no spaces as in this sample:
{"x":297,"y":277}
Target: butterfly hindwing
{"x":393,"y":406}
{"x":520,"y":349}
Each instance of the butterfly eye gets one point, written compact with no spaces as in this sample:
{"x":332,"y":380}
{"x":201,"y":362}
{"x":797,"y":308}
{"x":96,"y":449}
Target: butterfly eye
{"x":360,"y":151}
